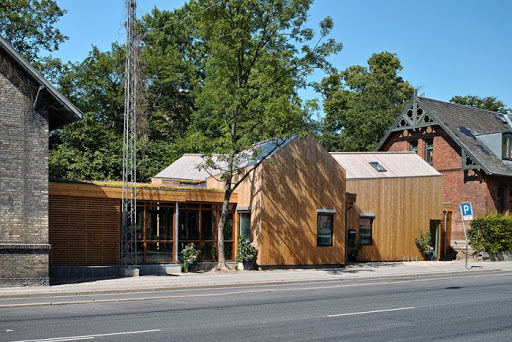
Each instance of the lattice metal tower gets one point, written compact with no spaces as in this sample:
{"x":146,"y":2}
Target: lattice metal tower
{"x":129,"y":202}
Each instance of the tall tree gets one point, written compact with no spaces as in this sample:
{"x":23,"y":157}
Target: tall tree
{"x":257,"y":55}
{"x":360,"y":103}
{"x":488,"y":103}
{"x":29,"y":26}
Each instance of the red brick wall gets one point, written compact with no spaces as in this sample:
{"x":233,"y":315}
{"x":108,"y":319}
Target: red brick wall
{"x":458,"y":186}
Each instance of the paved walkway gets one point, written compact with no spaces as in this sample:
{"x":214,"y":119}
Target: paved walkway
{"x":207,"y":279}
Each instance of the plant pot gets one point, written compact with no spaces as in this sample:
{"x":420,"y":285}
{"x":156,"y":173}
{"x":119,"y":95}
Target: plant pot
{"x":192,"y":266}
{"x":248,"y":264}
{"x":240,"y":266}
{"x":429,"y":256}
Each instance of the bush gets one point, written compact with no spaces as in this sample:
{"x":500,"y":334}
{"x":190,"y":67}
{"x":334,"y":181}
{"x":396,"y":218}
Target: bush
{"x":246,"y":250}
{"x":424,"y":242}
{"x":491,"y":233}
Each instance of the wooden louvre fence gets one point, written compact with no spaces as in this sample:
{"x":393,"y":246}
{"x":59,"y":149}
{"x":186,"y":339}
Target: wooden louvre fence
{"x":84,"y":231}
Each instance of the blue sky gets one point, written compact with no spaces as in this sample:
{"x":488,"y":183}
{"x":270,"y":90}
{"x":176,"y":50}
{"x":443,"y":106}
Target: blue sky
{"x":447,"y":48}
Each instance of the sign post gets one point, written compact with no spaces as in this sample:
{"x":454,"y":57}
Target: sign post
{"x":466,"y":212}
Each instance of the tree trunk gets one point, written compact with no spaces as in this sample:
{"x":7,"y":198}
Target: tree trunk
{"x":221,"y":265}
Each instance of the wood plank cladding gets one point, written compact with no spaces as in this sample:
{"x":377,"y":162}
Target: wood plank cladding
{"x":301,"y":179}
{"x":143,"y":193}
{"x":402,"y":207}
{"x":84,"y":231}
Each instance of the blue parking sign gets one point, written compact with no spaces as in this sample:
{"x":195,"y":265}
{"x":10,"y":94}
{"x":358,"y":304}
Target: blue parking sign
{"x":466,"y":211}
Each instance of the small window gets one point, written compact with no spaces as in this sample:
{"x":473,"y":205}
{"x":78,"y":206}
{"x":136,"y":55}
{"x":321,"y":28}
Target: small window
{"x":244,"y":226}
{"x":378,"y":167}
{"x":501,"y":199}
{"x":365,"y":230}
{"x":507,"y":147}
{"x":413,"y":145}
{"x":324,"y":230}
{"x":429,"y":151}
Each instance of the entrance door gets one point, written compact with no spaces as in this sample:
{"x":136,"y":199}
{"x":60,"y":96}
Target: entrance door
{"x":434,"y":233}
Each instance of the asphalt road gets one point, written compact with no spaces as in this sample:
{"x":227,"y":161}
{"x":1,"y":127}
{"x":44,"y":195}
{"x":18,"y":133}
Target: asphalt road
{"x":463,"y":307}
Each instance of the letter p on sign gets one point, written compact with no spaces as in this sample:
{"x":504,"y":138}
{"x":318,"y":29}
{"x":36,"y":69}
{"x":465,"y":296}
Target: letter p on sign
{"x":466,"y":211}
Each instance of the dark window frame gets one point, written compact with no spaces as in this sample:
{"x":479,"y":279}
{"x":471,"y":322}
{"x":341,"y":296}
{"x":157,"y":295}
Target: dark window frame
{"x":321,"y":237}
{"x":429,"y":150}
{"x":367,"y":240}
{"x":506,"y":148}
{"x":413,"y":145}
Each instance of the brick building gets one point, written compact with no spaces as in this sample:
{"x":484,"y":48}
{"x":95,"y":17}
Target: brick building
{"x":470,"y":147}
{"x":29,"y":108}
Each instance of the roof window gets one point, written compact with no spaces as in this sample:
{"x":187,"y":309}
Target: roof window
{"x":378,"y":167}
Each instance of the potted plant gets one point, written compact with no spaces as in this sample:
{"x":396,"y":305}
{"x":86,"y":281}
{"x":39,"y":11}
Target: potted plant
{"x":190,"y":254}
{"x":356,"y":247}
{"x":246,"y":253}
{"x":424,"y":244}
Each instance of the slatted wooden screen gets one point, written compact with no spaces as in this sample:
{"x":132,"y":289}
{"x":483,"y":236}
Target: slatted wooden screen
{"x":84,"y":231}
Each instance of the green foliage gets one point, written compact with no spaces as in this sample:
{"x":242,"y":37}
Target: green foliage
{"x":29,"y":26}
{"x":257,"y":55}
{"x":424,"y":242}
{"x":360,"y":103}
{"x":491,"y":233}
{"x":190,"y":254}
{"x":246,"y":250}
{"x":488,"y":103}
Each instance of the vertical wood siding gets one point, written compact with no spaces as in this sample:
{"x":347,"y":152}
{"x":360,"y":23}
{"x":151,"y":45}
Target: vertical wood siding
{"x":402,"y":207}
{"x":302,"y":178}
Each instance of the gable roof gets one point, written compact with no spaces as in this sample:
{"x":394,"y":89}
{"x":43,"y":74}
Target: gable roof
{"x":397,"y":165}
{"x":185,"y":168}
{"x":463,"y":124}
{"x":62,"y":110}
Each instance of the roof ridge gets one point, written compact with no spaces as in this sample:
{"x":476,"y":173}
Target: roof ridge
{"x":461,"y":105}
{"x":374,"y":152}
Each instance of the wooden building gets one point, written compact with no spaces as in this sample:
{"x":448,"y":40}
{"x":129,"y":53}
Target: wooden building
{"x":292,"y":207}
{"x":398,"y":194}
{"x":85,"y":223}
{"x":470,"y":147}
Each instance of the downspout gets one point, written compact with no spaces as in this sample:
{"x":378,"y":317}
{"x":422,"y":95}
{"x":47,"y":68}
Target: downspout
{"x":346,"y":231}
{"x":445,"y":216}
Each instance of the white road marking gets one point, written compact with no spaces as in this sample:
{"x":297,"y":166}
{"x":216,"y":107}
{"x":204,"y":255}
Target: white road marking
{"x":88,"y":337}
{"x":368,"y":312}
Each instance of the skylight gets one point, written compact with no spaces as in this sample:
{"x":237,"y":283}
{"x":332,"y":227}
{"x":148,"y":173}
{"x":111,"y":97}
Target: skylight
{"x":378,"y":167}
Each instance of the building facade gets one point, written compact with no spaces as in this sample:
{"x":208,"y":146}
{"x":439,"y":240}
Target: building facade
{"x":470,"y":147}
{"x":29,"y":108}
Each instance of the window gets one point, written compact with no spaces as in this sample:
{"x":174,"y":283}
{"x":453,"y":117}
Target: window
{"x":378,"y":167}
{"x":507,"y":147}
{"x":244,"y":226}
{"x":501,"y":199}
{"x":365,"y":230}
{"x":413,"y":145}
{"x":324,"y":230}
{"x":429,"y":150}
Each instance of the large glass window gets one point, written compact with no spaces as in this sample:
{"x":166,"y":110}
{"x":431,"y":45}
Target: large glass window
{"x":155,"y":233}
{"x":507,"y":146}
{"x":244,"y":225}
{"x":365,"y":230}
{"x":324,"y":230}
{"x":429,"y":151}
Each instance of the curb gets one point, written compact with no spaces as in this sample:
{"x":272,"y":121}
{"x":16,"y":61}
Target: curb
{"x":120,"y":290}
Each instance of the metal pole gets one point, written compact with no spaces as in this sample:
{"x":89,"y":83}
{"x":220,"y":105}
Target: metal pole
{"x":445,"y":215}
{"x":466,"y":237}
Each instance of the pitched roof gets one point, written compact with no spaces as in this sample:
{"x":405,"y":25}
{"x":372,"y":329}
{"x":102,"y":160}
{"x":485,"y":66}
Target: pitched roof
{"x":62,"y":110}
{"x":396,"y":164}
{"x":463,"y":124}
{"x":185,"y":168}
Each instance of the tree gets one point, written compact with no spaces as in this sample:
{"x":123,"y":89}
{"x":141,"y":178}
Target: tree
{"x":360,"y":103}
{"x":29,"y":26}
{"x":253,"y":68}
{"x":488,"y":103}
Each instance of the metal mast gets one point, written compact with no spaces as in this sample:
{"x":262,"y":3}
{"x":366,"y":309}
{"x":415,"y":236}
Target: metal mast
{"x":129,"y":202}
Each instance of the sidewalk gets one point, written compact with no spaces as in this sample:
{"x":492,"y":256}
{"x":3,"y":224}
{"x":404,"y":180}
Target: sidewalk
{"x":209,"y":279}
